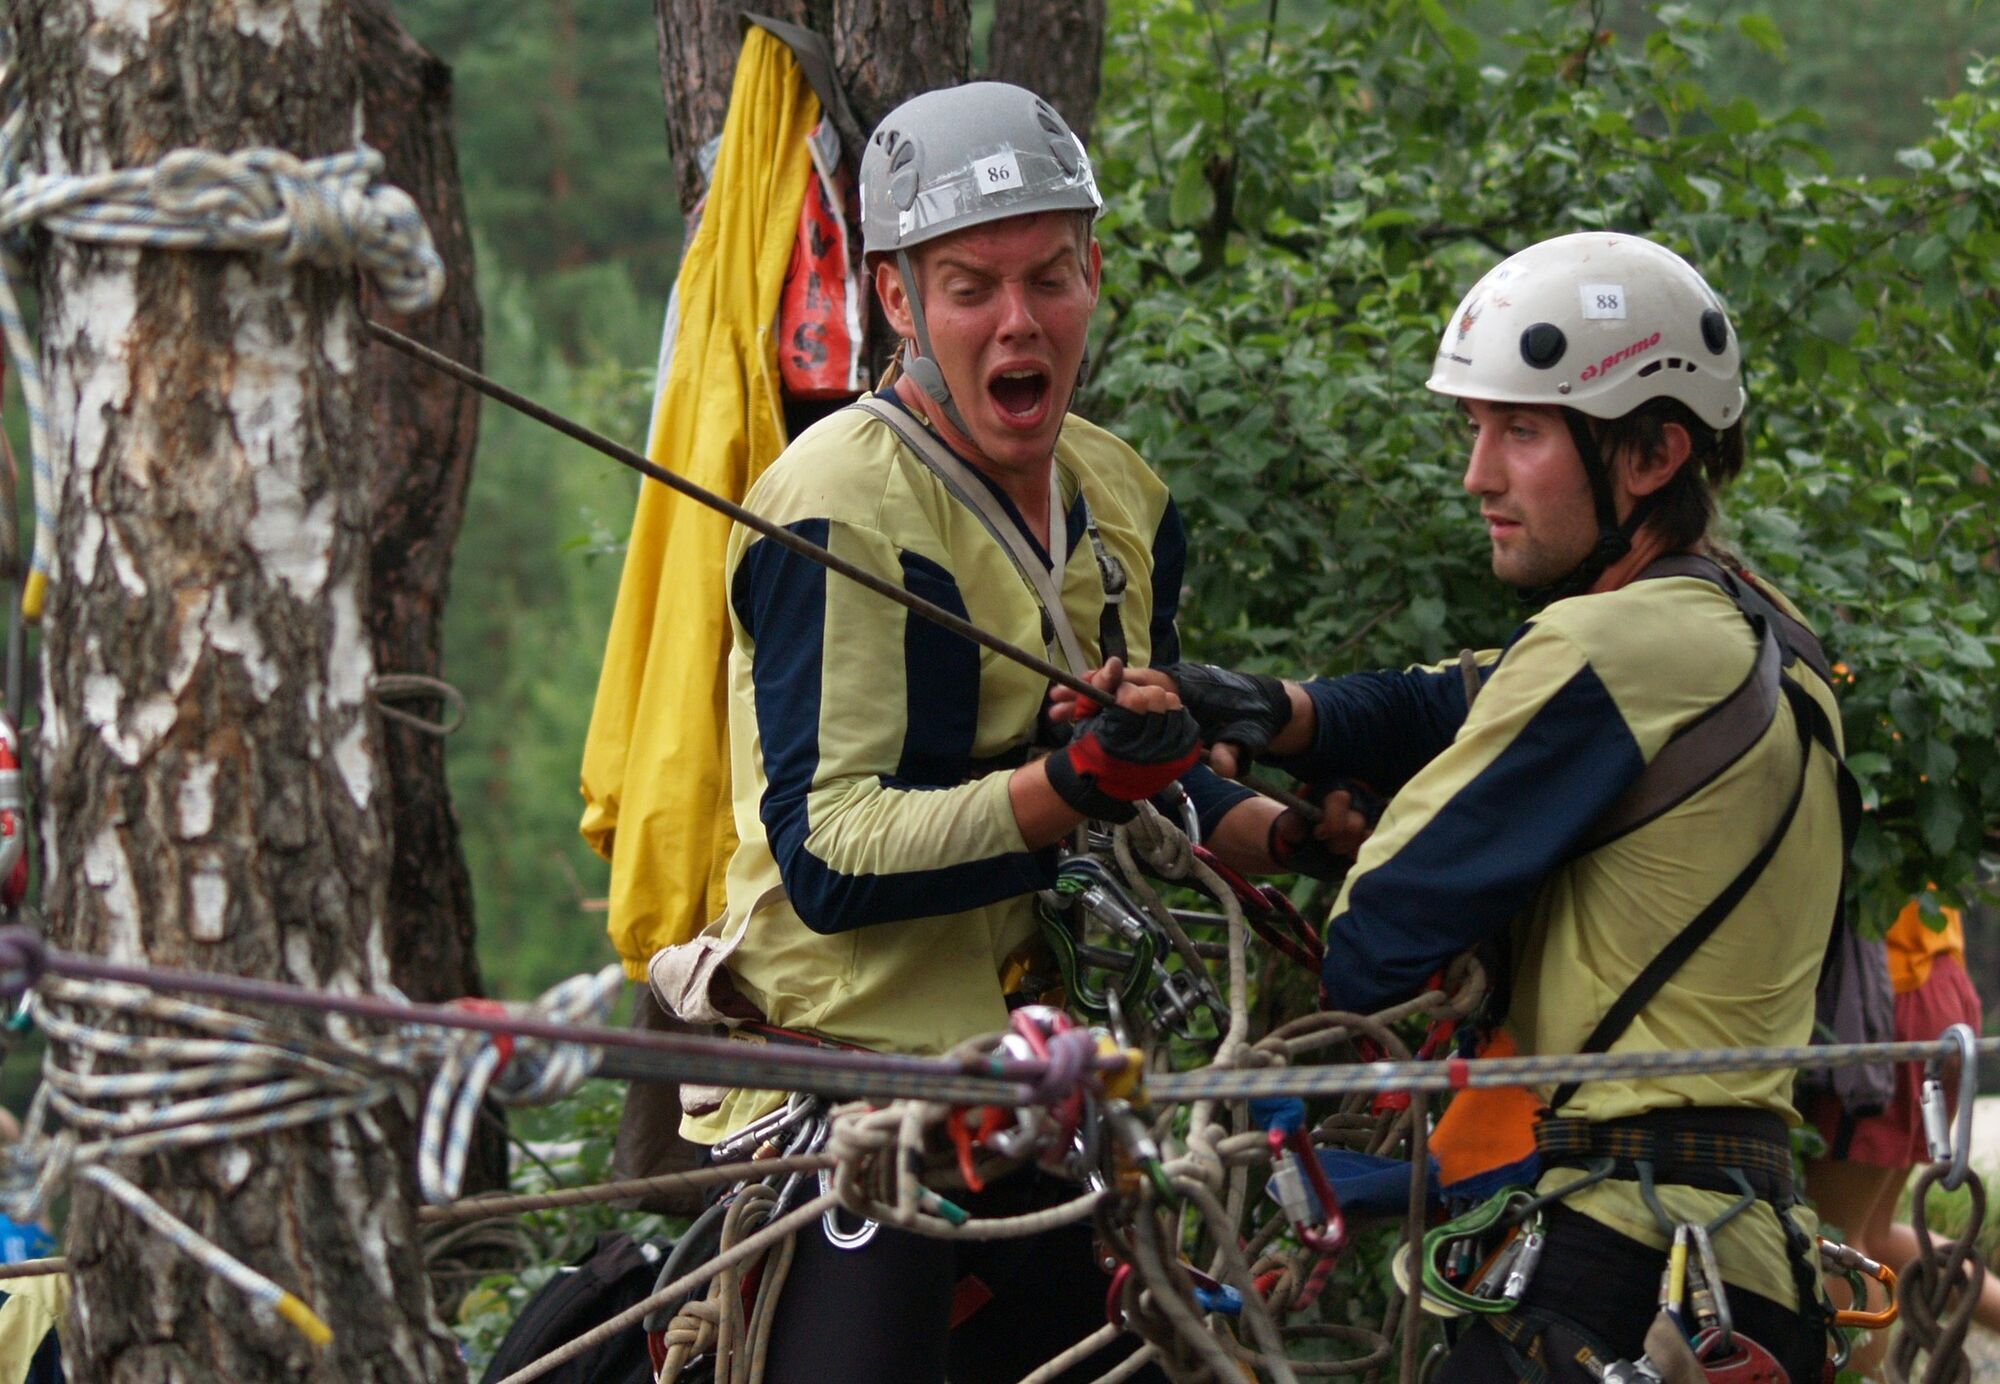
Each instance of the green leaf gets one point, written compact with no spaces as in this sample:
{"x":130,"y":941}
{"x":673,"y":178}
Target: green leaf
{"x":1939,"y":814}
{"x":1763,"y":31}
{"x":1193,"y":199}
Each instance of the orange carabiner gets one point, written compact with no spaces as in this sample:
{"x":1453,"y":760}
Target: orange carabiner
{"x":1852,"y":1260}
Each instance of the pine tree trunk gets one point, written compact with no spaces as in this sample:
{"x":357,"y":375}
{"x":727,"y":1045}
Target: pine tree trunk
{"x":426,"y":426}
{"x":1055,"y":50}
{"x":215,"y":793}
{"x":886,"y":52}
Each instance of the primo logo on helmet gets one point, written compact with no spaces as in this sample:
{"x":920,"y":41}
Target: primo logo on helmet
{"x":1637,"y":348}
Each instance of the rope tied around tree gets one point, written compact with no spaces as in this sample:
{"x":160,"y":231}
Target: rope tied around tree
{"x":217,"y":1077}
{"x":330,"y":212}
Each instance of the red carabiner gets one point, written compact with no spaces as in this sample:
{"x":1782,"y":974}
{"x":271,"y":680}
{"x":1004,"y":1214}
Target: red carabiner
{"x":1329,"y":1236}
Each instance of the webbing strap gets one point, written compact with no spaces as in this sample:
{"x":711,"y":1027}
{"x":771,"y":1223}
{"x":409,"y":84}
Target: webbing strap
{"x":1766,"y":1159}
{"x":1799,"y":641}
{"x":1044,"y":583}
{"x":1689,"y":939}
{"x":1700,"y":751}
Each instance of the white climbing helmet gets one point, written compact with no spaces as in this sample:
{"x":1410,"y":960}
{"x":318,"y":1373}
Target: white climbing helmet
{"x":965,"y":155}
{"x":1598,"y":322}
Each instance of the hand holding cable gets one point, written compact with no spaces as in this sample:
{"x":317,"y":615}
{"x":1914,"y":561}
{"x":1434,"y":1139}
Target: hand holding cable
{"x":1240,"y":714}
{"x":1126,"y":752}
{"x":1324,"y":849}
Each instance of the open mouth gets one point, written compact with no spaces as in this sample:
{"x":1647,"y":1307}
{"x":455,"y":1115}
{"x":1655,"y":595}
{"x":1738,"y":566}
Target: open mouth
{"x":1019,"y":393}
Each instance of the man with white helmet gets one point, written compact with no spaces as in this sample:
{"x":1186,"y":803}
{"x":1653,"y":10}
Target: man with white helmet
{"x":894,"y":827}
{"x":1637,"y":802}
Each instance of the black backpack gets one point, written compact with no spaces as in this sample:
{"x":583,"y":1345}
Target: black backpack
{"x":617,"y":1273}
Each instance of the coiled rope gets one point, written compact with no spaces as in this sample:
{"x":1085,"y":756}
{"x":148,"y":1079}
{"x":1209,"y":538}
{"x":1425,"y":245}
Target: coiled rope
{"x":328,"y":212}
{"x":219,"y":1077}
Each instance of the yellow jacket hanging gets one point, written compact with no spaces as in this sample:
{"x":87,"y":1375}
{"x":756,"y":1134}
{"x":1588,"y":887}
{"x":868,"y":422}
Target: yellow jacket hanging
{"x":657,"y":799}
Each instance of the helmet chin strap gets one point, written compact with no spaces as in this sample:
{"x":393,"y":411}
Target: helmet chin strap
{"x":1614,"y":539}
{"x":918,"y":361}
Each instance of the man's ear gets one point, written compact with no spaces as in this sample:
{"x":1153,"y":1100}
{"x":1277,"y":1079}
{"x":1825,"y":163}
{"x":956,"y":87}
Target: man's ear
{"x":894,"y":297}
{"x":1647,"y":472}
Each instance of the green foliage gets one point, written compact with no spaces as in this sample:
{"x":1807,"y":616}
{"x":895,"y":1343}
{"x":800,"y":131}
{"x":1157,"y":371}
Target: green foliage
{"x":565,"y":1145}
{"x":561,"y":142}
{"x":1294,"y":211}
{"x":533,"y":584}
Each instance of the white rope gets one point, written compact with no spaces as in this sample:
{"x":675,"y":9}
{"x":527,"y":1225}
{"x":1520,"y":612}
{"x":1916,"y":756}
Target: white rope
{"x":329,"y":212}
{"x":225,"y":1077}
{"x":528,"y":1072}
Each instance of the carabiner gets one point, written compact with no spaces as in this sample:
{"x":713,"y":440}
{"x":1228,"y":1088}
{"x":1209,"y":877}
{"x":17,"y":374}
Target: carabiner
{"x":1299,"y":1179}
{"x":1958,"y":1148}
{"x":1852,"y":1261}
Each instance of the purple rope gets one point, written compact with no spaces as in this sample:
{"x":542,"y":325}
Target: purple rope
{"x":995,"y":1079}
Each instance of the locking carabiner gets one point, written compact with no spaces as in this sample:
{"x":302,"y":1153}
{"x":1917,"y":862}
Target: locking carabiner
{"x":1955,"y":1143}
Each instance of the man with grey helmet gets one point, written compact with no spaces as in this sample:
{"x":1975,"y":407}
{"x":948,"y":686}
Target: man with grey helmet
{"x":894,"y":816}
{"x":1636,"y":808}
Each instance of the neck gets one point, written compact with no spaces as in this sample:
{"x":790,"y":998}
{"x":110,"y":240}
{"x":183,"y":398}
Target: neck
{"x":1027,"y":486}
{"x":1647,"y":547}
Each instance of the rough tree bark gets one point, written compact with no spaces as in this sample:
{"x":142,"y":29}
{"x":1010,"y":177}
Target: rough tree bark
{"x":886,"y":52}
{"x":1055,"y":50}
{"x":426,"y":426}
{"x":214,"y":790}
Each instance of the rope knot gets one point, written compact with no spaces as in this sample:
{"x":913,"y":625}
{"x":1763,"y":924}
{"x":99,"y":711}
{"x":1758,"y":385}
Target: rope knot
{"x":322,"y":212}
{"x":1072,"y":1056}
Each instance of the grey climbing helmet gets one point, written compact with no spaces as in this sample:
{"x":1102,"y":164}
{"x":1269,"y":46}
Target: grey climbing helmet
{"x":965,"y":155}
{"x":956,"y":158}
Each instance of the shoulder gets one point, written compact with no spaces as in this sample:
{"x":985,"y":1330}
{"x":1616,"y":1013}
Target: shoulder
{"x":843,"y":468}
{"x":1116,"y":477}
{"x":1666,"y":650}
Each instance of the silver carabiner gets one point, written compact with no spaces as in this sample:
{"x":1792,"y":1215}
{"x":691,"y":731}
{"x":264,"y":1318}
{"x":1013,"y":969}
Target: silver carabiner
{"x":1958,"y":1149}
{"x":830,"y":1221}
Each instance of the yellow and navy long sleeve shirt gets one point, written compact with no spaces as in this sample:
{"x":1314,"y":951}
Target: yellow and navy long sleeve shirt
{"x":1485,"y":834}
{"x":871,"y":749}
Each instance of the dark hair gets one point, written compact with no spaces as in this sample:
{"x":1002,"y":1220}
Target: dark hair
{"x":1683,"y":510}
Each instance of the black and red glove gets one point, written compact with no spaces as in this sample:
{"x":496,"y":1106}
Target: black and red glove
{"x":1121,"y":757}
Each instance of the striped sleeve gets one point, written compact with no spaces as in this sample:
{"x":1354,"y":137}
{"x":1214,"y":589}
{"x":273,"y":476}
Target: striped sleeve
{"x":1379,"y":727}
{"x":866,"y":716}
{"x":1471,"y":837}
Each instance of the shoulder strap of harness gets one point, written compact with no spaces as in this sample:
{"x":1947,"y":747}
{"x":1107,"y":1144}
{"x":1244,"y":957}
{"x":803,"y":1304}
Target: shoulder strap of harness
{"x":1043,"y":583}
{"x":1725,"y":729}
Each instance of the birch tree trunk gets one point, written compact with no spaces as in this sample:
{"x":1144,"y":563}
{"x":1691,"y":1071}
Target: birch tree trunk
{"x":214,"y":789}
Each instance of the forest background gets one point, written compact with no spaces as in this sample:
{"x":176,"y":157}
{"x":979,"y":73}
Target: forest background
{"x":1298,"y":194}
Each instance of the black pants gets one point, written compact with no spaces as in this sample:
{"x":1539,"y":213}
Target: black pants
{"x":882,"y":1314}
{"x":1609,"y":1285}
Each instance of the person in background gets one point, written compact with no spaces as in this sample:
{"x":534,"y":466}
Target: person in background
{"x":1859,"y":1182}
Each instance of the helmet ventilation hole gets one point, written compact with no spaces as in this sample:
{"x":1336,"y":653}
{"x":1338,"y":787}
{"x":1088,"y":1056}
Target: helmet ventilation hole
{"x":1656,"y":367}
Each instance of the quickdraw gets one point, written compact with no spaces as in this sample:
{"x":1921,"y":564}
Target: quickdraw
{"x":1271,"y":915}
{"x":1087,"y":892}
